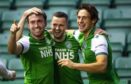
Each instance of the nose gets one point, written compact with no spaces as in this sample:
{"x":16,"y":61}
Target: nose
{"x":57,"y":27}
{"x":81,"y":20}
{"x":36,"y":25}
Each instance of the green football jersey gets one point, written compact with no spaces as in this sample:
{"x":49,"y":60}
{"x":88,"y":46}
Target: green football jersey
{"x":91,"y":47}
{"x":68,"y":49}
{"x":37,"y":60}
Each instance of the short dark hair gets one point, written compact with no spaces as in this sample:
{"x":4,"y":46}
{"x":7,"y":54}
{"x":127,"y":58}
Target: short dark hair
{"x":61,"y":15}
{"x":91,"y":9}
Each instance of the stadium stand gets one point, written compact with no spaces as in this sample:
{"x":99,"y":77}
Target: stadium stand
{"x":129,"y":44}
{"x":117,"y":19}
{"x":7,"y":56}
{"x":25,"y":4}
{"x":51,"y":11}
{"x":15,"y":64}
{"x":73,"y":19}
{"x":101,"y":4}
{"x":5,"y":4}
{"x":124,"y":81}
{"x":123,"y":67}
{"x":123,"y":3}
{"x":118,"y":43}
{"x":63,"y":3}
{"x":18,"y":81}
{"x":4,"y":61}
{"x":4,"y":41}
{"x":1,"y":30}
{"x":9,"y":16}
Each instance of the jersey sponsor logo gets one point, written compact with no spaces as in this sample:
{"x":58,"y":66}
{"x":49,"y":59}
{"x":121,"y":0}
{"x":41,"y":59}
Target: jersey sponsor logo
{"x":64,"y":54}
{"x":46,"y":52}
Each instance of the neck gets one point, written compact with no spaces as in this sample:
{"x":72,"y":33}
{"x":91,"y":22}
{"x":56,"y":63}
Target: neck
{"x":59,"y":39}
{"x":86,"y":33}
{"x":38,"y":37}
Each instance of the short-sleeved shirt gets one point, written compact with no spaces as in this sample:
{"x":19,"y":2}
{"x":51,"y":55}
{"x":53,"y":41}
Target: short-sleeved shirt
{"x":92,"y":46}
{"x":37,"y":59}
{"x":68,"y":49}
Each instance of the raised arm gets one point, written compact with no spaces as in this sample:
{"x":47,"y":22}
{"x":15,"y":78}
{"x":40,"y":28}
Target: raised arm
{"x":16,"y":31}
{"x":23,"y":18}
{"x":13,"y":48}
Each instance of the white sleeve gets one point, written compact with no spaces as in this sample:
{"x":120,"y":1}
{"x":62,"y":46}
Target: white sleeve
{"x":99,"y":45}
{"x":24,"y":41}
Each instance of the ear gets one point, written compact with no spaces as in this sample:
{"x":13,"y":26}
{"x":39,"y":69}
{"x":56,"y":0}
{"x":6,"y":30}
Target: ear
{"x":94,"y":21}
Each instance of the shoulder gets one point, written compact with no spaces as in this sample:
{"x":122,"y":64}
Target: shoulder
{"x":24,"y":39}
{"x":99,"y":45}
{"x":99,"y":38}
{"x":76,"y":34}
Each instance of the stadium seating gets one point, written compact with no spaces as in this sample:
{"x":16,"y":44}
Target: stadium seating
{"x":9,"y":16}
{"x":124,"y":81}
{"x":117,"y":19}
{"x":15,"y":64}
{"x":117,"y":41}
{"x":4,"y":40}
{"x":5,"y":4}
{"x":123,"y":3}
{"x":129,"y":44}
{"x":73,"y":18}
{"x":63,"y":3}
{"x":18,"y":81}
{"x":101,"y":4}
{"x":4,"y":61}
{"x":123,"y":67}
{"x":7,"y":56}
{"x":25,"y":4}
{"x":51,"y":11}
{"x":0,"y":22}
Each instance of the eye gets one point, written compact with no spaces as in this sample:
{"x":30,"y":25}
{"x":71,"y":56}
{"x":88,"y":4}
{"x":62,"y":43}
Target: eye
{"x":55,"y":25}
{"x":32,"y":22}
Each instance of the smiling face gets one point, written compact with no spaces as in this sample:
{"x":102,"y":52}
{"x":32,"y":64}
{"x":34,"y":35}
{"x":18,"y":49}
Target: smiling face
{"x":84,"y":21}
{"x":58,"y":25}
{"x":36,"y":25}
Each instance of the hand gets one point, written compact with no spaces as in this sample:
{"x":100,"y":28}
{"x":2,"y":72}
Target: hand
{"x":66,"y":62}
{"x":100,"y":31}
{"x":14,"y":27}
{"x":32,"y":10}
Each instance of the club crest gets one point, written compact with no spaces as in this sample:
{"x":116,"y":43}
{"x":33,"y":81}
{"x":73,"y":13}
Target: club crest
{"x":68,"y":44}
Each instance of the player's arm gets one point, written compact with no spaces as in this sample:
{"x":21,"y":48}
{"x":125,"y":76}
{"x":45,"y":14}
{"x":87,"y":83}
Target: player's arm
{"x":98,"y":31}
{"x":70,"y":31}
{"x":100,"y":49}
{"x":21,"y":27}
{"x":101,"y":32}
{"x":23,"y":18}
{"x":98,"y":66}
{"x":13,"y":47}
